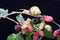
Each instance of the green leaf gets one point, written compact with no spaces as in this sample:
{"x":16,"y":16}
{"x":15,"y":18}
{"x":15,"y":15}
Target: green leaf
{"x":28,"y":33}
{"x":33,"y":19}
{"x":20,"y":19}
{"x":58,"y":38}
{"x":37,"y":25}
{"x":19,"y":36}
{"x":28,"y":38}
{"x":11,"y":37}
{"x":3,"y":12}
{"x":34,"y":26}
{"x":48,"y":33}
{"x":1,"y":15}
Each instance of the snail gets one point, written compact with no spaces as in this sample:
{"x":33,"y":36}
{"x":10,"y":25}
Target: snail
{"x":33,"y":11}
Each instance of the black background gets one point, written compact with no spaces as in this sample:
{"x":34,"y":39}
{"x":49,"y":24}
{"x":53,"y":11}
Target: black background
{"x":48,"y":7}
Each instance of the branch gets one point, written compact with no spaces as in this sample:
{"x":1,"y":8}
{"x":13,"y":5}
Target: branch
{"x":14,"y":12}
{"x":11,"y":20}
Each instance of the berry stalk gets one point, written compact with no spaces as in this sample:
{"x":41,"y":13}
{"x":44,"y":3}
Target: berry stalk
{"x":56,"y":23}
{"x":40,"y":38}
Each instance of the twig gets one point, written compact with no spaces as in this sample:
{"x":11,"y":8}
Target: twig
{"x":11,"y":20}
{"x":56,"y":24}
{"x":14,"y":12}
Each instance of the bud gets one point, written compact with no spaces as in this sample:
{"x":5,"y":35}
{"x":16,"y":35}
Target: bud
{"x":41,"y":33}
{"x":48,"y":27}
{"x":48,"y":18}
{"x":29,"y":29}
{"x":35,"y":11}
{"x":56,"y":33}
{"x":17,"y":27}
{"x":41,"y":26}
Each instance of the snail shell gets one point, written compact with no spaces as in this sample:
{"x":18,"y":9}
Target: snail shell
{"x":34,"y":10}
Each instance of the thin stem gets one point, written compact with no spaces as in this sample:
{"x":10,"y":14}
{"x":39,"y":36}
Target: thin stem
{"x":56,"y":24}
{"x":35,"y":27}
{"x":14,"y":13}
{"x":11,"y":20}
{"x":22,"y":9}
{"x":31,"y":34}
{"x":40,"y":38}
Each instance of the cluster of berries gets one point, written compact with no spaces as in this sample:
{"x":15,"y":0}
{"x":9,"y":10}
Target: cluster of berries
{"x":37,"y":34}
{"x":26,"y":25}
{"x":50,"y":19}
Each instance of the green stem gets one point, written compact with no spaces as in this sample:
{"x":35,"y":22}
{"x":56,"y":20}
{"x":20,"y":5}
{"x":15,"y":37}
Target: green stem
{"x":35,"y":27}
{"x":40,"y":38}
{"x":31,"y":34}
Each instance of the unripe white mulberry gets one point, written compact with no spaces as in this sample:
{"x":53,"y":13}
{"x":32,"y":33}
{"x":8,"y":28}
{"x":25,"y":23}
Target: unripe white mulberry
{"x":48,"y":27}
{"x":41,"y":26}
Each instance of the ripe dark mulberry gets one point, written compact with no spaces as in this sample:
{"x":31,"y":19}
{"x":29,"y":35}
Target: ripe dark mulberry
{"x":17,"y":27}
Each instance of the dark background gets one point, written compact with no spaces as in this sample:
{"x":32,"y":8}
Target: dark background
{"x":48,"y":7}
